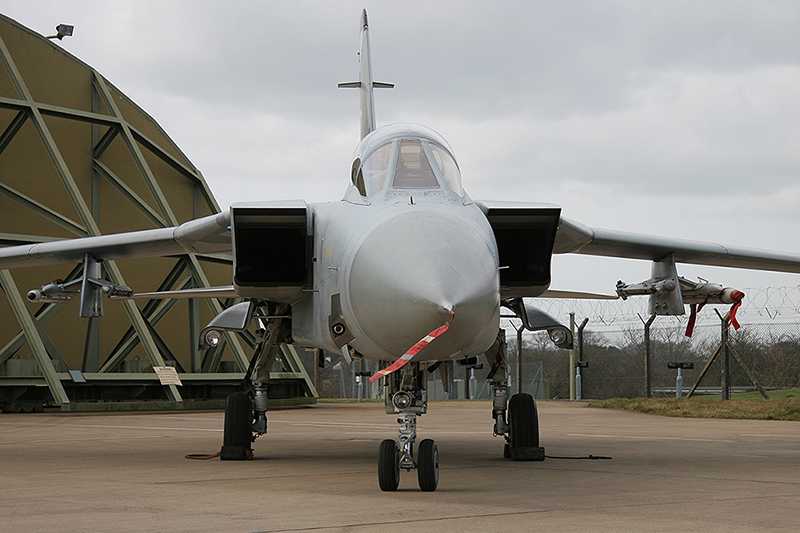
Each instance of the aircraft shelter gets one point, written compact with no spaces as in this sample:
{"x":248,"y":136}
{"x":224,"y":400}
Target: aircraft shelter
{"x":78,"y":158}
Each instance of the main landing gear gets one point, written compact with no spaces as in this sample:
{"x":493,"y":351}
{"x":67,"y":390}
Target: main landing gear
{"x":516,"y":420}
{"x":522,"y":428}
{"x":246,"y":418}
{"x":406,"y":396}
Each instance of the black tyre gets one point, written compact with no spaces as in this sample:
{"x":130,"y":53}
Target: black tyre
{"x":388,"y":465}
{"x":238,"y":432}
{"x":428,"y":465}
{"x":523,"y":422}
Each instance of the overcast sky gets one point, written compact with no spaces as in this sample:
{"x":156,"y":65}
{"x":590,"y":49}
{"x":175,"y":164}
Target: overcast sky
{"x":673,"y":118}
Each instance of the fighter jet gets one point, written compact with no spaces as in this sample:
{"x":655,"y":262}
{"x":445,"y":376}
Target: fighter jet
{"x":406,"y":269}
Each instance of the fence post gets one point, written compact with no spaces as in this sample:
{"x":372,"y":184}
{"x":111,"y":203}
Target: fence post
{"x":519,"y":358}
{"x":726,"y":358}
{"x":572,"y":358}
{"x":580,"y":346}
{"x":647,"y":372}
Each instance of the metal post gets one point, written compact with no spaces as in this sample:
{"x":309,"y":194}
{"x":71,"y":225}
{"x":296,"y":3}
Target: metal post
{"x":580,"y":338}
{"x":472,"y":383}
{"x":572,"y":359}
{"x":341,"y":378}
{"x":726,"y":378}
{"x":519,"y":359}
{"x":647,"y":356}
{"x":580,"y":355}
{"x":579,"y":379}
{"x":679,"y":380}
{"x":360,"y":380}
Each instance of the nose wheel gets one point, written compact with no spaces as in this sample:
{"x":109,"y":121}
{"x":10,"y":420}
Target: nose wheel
{"x":406,"y":397}
{"x":393,"y":457}
{"x":388,"y":465}
{"x":427,"y":465}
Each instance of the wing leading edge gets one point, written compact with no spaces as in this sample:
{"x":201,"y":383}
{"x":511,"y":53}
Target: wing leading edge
{"x":207,"y":235}
{"x":574,"y":237}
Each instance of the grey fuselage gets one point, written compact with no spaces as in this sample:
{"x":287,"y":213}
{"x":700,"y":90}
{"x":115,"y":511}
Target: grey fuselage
{"x":403,"y":249}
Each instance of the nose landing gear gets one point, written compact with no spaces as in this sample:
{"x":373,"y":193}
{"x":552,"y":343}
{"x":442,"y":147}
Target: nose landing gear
{"x":406,"y":396}
{"x":392,"y":458}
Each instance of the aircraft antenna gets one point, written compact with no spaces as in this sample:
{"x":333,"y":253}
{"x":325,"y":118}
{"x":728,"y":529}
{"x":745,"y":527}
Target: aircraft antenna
{"x":365,"y":84}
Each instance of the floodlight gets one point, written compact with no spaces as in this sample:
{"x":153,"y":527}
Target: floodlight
{"x":63,"y":30}
{"x":213,"y":337}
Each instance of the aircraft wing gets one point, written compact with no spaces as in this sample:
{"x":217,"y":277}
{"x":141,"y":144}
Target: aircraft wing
{"x":574,"y":237}
{"x":207,"y":235}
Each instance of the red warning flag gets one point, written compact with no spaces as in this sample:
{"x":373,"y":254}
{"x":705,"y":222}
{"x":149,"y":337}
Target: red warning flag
{"x":414,"y":350}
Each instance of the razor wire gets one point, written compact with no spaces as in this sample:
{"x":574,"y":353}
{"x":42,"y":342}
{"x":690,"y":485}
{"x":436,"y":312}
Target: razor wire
{"x":760,"y":305}
{"x":767,"y":347}
{"x":768,"y":343}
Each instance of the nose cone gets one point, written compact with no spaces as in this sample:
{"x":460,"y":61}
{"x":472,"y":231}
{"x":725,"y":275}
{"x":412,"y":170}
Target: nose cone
{"x":408,"y":274}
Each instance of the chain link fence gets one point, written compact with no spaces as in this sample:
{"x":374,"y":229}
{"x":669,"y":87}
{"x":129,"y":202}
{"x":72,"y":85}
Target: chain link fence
{"x":766,"y":350}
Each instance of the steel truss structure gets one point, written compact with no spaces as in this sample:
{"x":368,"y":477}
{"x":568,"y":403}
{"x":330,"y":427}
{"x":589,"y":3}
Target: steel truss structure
{"x":78,"y":158}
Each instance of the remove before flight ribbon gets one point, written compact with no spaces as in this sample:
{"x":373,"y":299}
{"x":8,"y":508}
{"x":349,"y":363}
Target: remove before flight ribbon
{"x":737,"y":297}
{"x":414,"y":350}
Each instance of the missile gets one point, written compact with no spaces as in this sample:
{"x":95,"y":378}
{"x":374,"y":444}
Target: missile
{"x":699,"y":294}
{"x":37,"y":296}
{"x":60,"y":292}
{"x":694,"y":293}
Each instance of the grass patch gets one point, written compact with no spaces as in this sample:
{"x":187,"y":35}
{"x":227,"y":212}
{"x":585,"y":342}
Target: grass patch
{"x":709,"y":407}
{"x":773,"y":394}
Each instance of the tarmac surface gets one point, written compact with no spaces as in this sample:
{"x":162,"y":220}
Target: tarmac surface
{"x":316,"y":470}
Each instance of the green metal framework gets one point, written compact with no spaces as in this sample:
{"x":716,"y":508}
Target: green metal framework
{"x":123,"y":163}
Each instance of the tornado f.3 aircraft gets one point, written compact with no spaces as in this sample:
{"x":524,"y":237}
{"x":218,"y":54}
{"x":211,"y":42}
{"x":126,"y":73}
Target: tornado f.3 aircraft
{"x":406,"y":269}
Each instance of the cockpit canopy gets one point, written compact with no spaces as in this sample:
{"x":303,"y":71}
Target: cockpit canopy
{"x":404,"y":157}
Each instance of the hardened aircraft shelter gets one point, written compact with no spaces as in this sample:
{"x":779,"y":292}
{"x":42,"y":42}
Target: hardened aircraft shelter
{"x":78,"y":158}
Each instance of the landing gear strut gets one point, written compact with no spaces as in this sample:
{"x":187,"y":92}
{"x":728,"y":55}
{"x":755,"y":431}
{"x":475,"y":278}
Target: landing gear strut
{"x":520,"y":428}
{"x":406,"y":396}
{"x":246,"y":415}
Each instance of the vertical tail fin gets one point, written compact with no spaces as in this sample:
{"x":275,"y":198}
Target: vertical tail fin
{"x":365,"y":83}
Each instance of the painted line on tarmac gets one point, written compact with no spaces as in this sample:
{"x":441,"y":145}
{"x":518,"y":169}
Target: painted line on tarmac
{"x":141,"y":417}
{"x":369,"y":426}
{"x":334,"y":424}
{"x":775,"y":436}
{"x":636,"y":437}
{"x":413,"y":524}
{"x":76,"y":440}
{"x":149,"y":428}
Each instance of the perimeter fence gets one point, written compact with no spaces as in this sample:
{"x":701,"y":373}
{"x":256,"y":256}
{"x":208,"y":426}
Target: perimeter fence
{"x":765,"y":350}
